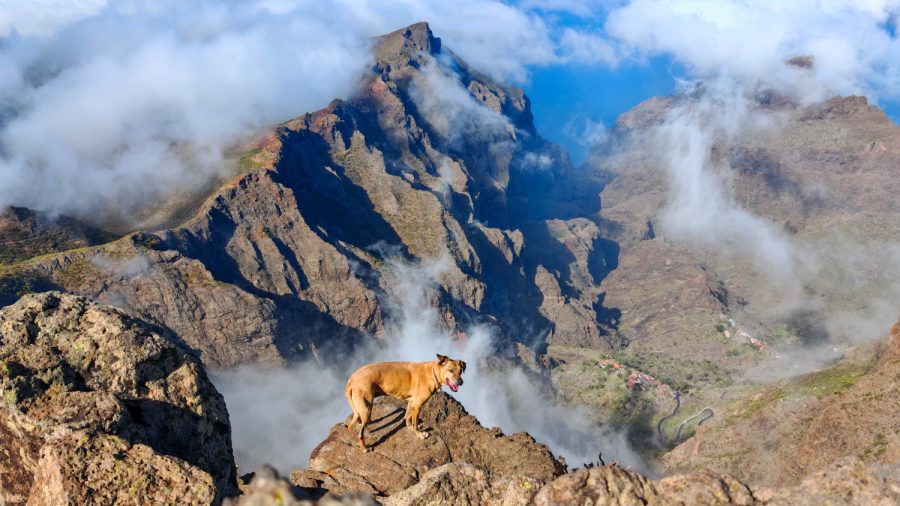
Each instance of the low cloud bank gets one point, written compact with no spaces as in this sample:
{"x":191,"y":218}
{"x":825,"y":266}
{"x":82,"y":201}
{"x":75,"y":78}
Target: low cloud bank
{"x":279,"y":416}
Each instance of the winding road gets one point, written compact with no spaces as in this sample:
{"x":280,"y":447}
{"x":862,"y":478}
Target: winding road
{"x":704,"y":415}
{"x":659,"y":431}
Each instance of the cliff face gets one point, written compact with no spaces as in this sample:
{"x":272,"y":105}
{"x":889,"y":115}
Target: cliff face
{"x":429,"y":161}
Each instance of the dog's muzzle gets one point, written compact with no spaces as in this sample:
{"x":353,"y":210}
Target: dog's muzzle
{"x":453,"y":386}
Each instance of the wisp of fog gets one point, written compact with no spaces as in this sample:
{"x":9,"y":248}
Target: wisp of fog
{"x":279,"y":416}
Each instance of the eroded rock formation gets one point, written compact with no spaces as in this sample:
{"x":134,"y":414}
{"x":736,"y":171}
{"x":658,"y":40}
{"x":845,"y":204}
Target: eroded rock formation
{"x":100,"y":408}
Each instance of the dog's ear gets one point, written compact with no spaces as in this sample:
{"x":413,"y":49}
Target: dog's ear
{"x":462,"y":364}
{"x":441,"y":359}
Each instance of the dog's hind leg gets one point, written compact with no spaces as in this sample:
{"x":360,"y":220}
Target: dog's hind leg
{"x":353,"y":421}
{"x":362,"y":408}
{"x":355,"y":418}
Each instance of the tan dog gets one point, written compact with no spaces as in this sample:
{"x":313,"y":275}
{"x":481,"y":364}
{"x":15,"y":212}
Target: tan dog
{"x":414,"y":382}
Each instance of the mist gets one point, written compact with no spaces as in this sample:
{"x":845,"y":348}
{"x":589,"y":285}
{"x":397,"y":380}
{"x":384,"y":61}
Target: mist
{"x":279,"y":416}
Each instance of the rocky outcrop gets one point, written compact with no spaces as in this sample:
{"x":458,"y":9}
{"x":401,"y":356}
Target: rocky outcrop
{"x":615,"y":486}
{"x":848,"y":482}
{"x":399,"y":459}
{"x":463,"y":484}
{"x":101,"y":408}
{"x":268,"y":488}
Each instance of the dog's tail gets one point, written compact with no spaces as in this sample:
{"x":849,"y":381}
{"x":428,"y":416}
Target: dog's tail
{"x":348,"y":393}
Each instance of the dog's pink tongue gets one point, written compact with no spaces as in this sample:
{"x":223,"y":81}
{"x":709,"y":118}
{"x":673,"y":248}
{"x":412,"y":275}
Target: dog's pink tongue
{"x":451,"y":385}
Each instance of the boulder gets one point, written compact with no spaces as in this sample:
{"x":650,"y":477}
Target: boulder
{"x":464,"y":484}
{"x":268,"y":488}
{"x":102,"y":408}
{"x":399,"y":460}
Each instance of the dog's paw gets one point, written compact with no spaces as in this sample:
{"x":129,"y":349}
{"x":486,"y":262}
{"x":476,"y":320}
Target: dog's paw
{"x":422,"y":435}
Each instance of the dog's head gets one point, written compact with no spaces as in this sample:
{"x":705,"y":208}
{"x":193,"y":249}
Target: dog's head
{"x":450,"y":371}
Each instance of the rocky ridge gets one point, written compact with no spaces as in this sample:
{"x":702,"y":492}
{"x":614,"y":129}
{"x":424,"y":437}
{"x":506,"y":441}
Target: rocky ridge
{"x":399,"y":459}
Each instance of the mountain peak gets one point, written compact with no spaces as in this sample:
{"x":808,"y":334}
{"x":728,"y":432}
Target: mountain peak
{"x":405,"y":45}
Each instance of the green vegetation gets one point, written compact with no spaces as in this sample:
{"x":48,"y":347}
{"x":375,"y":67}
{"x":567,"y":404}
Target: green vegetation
{"x":781,"y":334}
{"x":831,"y":381}
{"x":766,"y":398}
{"x":741,"y":350}
{"x":251,"y":160}
{"x":681,"y":375}
{"x":720,"y":328}
{"x":76,"y":273}
{"x":876,"y":449}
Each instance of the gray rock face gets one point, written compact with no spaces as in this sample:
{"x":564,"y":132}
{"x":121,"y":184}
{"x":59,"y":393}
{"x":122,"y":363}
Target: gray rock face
{"x":99,"y":407}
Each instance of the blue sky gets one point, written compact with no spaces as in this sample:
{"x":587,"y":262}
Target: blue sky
{"x":568,"y":99}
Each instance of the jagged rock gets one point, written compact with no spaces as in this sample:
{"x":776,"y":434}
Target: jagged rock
{"x":268,"y":488}
{"x":848,"y":482}
{"x":399,"y":459}
{"x":99,"y":406}
{"x":105,"y":469}
{"x":464,"y":484}
{"x":616,"y":486}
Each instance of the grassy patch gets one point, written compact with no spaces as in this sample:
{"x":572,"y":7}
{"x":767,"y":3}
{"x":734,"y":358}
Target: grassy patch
{"x":876,"y":449}
{"x":766,"y":398}
{"x":682,"y":375}
{"x":741,"y":350}
{"x":250,"y":160}
{"x":831,"y":381}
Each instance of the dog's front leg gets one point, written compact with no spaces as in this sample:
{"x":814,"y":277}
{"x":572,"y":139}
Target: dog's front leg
{"x":413,"y":417}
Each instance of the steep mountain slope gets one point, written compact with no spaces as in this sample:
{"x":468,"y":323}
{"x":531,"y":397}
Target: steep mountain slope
{"x":788,"y":430}
{"x":824,"y":176}
{"x":703,"y":315}
{"x":707,"y":318}
{"x":430,"y":161}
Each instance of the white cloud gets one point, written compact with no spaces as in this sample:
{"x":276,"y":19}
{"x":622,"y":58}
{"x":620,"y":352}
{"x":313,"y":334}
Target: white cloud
{"x":114,"y":107}
{"x":119,"y":109}
{"x":43,"y":17}
{"x":450,"y":108}
{"x":583,"y":47}
{"x":750,"y":40}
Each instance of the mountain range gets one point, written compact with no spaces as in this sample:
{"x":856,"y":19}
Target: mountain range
{"x":575,"y":270}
